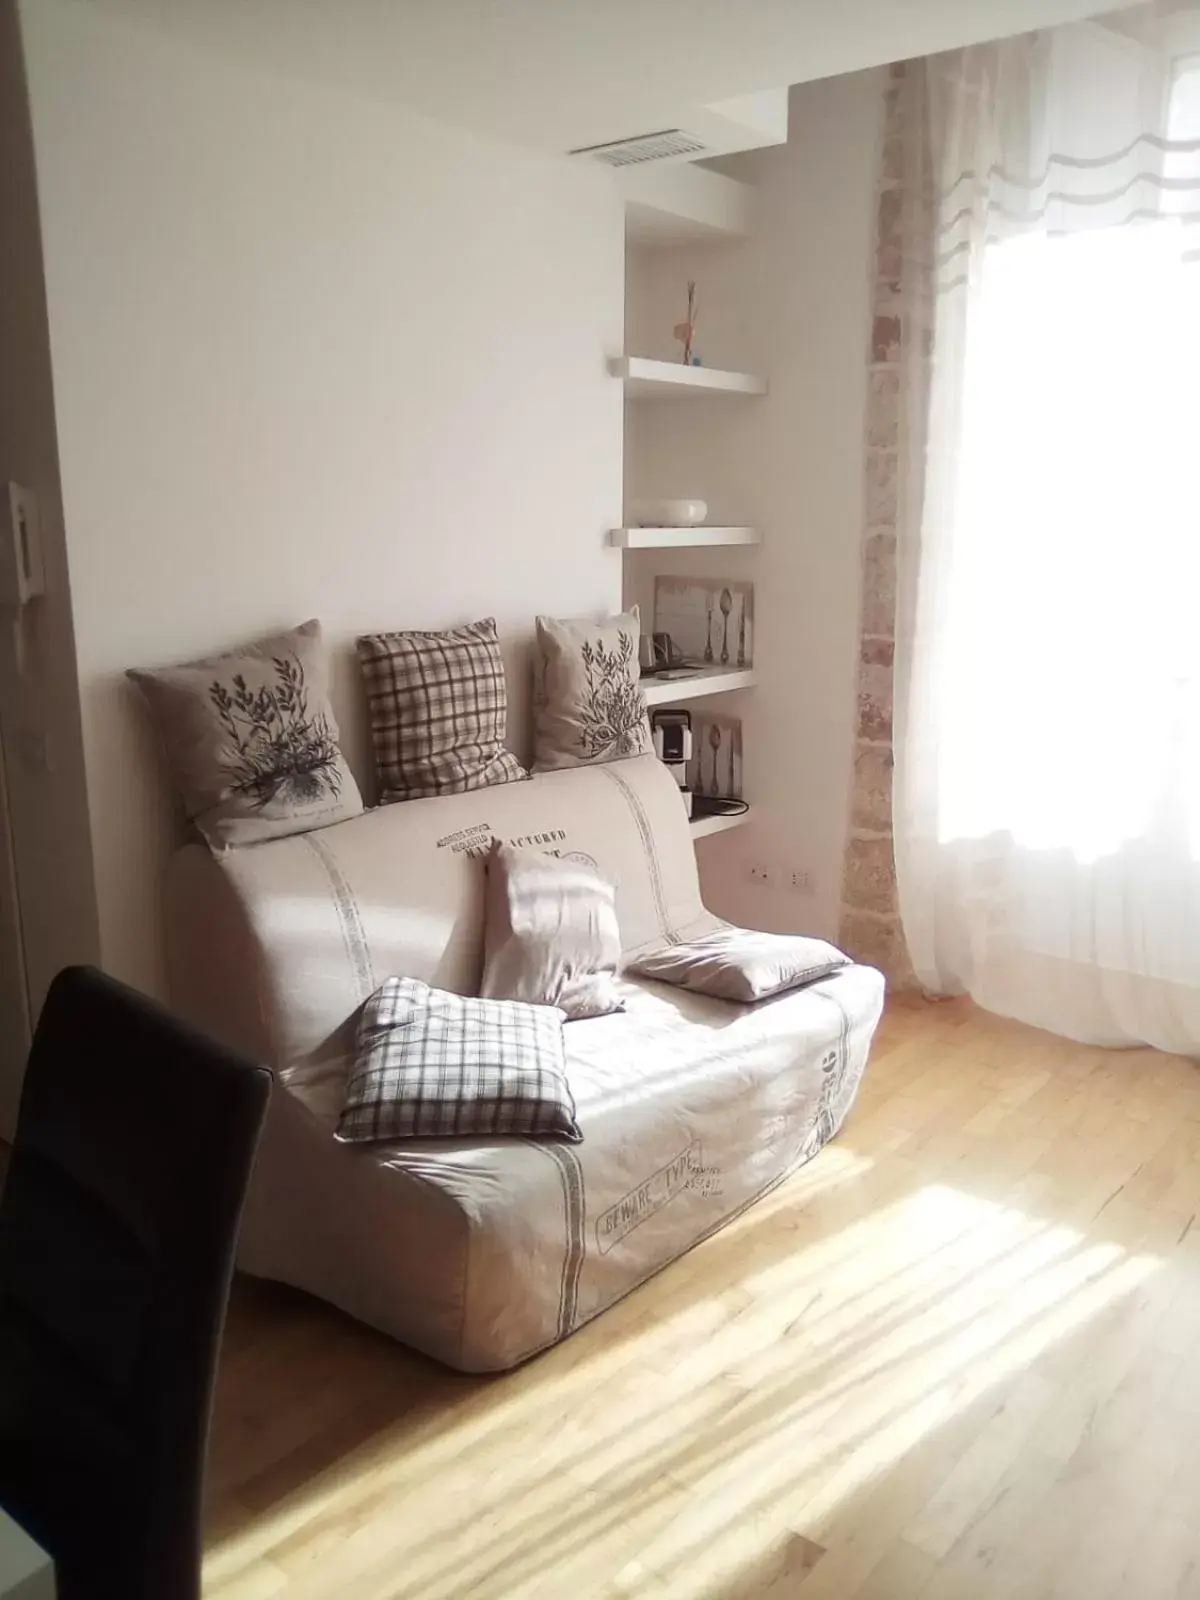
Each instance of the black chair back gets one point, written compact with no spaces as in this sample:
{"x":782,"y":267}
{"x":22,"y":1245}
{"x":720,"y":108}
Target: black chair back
{"x":134,"y":1144}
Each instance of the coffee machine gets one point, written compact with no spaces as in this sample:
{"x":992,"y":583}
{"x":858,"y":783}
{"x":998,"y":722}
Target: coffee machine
{"x":671,"y":732}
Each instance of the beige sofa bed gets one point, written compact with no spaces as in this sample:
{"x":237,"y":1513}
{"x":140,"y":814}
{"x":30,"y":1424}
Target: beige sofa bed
{"x":482,"y":1252}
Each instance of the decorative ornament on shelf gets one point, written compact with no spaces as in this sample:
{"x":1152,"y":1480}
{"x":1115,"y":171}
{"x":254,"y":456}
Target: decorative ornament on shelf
{"x":668,"y":513}
{"x":685,"y":331}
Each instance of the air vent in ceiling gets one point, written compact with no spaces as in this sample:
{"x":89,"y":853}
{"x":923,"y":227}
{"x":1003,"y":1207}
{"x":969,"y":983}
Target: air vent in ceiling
{"x":645,"y":147}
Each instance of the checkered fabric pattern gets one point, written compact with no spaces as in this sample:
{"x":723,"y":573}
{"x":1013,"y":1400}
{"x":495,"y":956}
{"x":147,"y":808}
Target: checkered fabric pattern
{"x":437,"y":704}
{"x":435,"y":1064}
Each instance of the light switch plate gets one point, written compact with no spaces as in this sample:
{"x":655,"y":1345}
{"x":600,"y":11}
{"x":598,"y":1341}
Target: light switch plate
{"x":22,"y":572}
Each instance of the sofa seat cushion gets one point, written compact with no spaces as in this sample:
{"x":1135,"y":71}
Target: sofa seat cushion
{"x":690,"y":1108}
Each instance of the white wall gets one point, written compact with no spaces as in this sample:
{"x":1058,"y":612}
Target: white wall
{"x":47,"y":911}
{"x":312,"y":356}
{"x":791,"y":302}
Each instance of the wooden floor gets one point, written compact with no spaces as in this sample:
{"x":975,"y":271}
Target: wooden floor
{"x":957,"y":1357}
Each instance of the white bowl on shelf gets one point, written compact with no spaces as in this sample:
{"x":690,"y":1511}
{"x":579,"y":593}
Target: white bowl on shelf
{"x":668,"y":513}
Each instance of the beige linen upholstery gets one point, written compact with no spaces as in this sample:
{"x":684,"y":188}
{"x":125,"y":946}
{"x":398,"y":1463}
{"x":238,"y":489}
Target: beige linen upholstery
{"x":483,"y":1251}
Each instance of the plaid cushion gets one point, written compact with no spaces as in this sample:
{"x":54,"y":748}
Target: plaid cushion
{"x":438,"y":704}
{"x":431,"y":1063}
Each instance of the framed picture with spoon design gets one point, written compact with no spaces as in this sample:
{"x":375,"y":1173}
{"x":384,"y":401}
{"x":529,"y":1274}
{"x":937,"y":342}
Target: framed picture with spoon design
{"x":711,"y":620}
{"x":716,"y":765}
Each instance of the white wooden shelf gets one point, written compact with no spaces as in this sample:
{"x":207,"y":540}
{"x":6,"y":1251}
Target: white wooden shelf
{"x":704,"y":680}
{"x":704,"y":827}
{"x":680,"y":538}
{"x":645,"y":379}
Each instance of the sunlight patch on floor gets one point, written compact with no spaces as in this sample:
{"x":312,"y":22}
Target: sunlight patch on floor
{"x":732,"y":1421}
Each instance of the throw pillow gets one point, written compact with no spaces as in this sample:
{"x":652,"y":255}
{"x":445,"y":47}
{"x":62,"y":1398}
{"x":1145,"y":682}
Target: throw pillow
{"x":740,"y":964}
{"x":432,"y":1064}
{"x":550,"y":932}
{"x":251,"y":741}
{"x":438,"y":704}
{"x":589,"y":705}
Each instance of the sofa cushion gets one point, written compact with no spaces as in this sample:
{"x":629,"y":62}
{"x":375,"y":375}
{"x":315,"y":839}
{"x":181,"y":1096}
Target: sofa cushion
{"x":251,"y":741}
{"x":550,"y":932}
{"x":438,"y":703}
{"x":589,"y":705}
{"x":433,"y":1063}
{"x":741,"y":964}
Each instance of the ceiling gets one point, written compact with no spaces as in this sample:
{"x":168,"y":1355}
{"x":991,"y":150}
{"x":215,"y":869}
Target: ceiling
{"x":557,"y":74}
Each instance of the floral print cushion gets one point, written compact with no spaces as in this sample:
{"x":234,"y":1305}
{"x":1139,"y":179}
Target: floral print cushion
{"x":251,"y":741}
{"x":588,"y":701}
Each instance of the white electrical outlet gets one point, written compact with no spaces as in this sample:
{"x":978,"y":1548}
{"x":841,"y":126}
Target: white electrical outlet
{"x":801,"y":881}
{"x":760,"y":874}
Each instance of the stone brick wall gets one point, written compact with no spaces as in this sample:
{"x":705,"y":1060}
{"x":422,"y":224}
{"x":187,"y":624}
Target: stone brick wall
{"x":870,"y":922}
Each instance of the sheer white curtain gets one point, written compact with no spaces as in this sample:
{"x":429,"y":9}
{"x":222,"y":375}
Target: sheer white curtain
{"x":1047,"y":790}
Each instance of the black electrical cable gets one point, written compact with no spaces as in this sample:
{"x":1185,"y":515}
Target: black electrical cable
{"x":708,"y":805}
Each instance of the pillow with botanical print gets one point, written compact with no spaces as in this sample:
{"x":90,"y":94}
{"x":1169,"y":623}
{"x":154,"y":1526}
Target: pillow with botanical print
{"x":250,"y":740}
{"x":588,"y":701}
